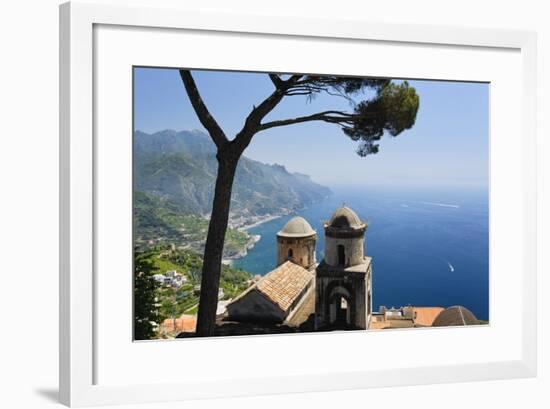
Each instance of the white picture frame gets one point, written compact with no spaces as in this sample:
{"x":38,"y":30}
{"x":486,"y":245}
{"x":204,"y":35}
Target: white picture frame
{"x":79,"y":385}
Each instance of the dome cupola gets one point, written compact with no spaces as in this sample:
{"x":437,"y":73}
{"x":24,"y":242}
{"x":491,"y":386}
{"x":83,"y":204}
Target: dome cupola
{"x":296,"y":227}
{"x":345,"y":218}
{"x":296,"y":242}
{"x":344,"y":238}
{"x":457,"y":315}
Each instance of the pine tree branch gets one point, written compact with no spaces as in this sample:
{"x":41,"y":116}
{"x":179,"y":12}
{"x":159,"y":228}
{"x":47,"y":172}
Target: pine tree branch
{"x":253,"y":121}
{"x":206,"y":119}
{"x":276,"y":80}
{"x":335,"y":117}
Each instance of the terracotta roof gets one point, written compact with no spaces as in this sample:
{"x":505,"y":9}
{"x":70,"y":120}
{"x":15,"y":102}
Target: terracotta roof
{"x":378,"y":324}
{"x":284,"y":284}
{"x":395,"y":323}
{"x":425,"y":316}
{"x":185,"y":323}
{"x":455,"y":315}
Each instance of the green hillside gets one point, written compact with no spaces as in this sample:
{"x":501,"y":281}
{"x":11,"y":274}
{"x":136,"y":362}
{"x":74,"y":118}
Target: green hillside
{"x":160,"y":221}
{"x":173,"y":301}
{"x":181,"y":167}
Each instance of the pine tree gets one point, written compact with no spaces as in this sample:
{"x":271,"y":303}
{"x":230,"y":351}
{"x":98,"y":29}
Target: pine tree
{"x":387,"y":108}
{"x":146,"y":311}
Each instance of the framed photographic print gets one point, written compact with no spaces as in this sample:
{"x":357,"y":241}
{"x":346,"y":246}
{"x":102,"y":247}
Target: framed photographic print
{"x":348,"y":202}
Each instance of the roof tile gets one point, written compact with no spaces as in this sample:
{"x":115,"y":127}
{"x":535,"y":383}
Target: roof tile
{"x":284,"y":284}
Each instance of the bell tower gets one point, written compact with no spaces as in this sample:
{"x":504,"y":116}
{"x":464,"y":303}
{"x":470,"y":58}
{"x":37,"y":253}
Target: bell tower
{"x":343,"y":298}
{"x":296,"y":242}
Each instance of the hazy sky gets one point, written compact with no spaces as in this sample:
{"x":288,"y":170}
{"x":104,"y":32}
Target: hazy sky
{"x":448,"y":145}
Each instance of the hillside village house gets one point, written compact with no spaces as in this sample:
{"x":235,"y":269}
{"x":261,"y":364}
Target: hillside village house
{"x":171,"y":278}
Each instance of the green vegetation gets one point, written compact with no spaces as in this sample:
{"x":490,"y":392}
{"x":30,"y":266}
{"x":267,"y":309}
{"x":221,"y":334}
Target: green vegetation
{"x":193,"y":310}
{"x":156,"y":217}
{"x":161,"y":221}
{"x":235,"y":242}
{"x":146,"y":314}
{"x":174,"y":177}
{"x":233,"y":280}
{"x":155,"y":302}
{"x":181,"y":168}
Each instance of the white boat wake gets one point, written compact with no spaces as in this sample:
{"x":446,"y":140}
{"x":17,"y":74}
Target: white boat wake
{"x":441,"y":204}
{"x":451,"y":267}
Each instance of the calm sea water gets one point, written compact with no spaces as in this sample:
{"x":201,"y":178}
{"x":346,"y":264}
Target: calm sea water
{"x":428,"y":247}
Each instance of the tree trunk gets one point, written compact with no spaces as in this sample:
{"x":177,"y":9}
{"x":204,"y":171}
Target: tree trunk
{"x":213,"y":251}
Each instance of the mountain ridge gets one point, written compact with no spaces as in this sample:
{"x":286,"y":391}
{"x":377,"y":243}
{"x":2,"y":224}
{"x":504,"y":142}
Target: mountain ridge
{"x":181,"y":166}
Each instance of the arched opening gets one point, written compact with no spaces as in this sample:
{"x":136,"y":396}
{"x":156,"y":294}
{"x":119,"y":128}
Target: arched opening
{"x":290,"y":253}
{"x":341,"y":255}
{"x":340,"y":307}
{"x":342,"y":310}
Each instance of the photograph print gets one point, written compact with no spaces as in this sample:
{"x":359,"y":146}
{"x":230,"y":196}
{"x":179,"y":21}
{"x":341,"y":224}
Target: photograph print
{"x":283,"y":203}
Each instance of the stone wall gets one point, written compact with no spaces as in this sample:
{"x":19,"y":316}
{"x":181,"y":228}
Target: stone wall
{"x":299,"y":250}
{"x":353,"y":250}
{"x":254,"y":307}
{"x":354,"y":286}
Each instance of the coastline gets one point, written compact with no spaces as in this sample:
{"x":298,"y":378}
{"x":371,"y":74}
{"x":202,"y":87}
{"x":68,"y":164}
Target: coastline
{"x":253,"y":238}
{"x":259,"y":222}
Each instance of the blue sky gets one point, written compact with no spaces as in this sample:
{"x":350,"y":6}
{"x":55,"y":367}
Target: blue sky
{"x":447,"y":147}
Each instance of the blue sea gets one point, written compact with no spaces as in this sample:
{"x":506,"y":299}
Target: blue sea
{"x":429,"y":247}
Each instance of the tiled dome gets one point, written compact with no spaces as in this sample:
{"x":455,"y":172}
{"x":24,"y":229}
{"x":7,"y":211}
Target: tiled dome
{"x":455,"y":315}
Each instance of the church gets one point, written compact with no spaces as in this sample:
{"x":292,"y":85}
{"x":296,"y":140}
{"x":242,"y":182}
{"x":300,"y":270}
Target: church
{"x":335,"y":293}
{"x":303,"y":295}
